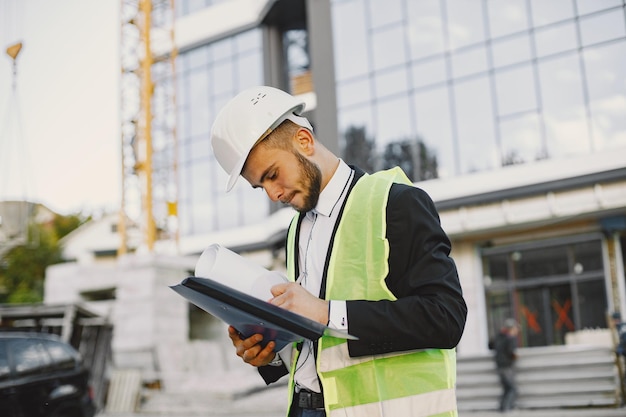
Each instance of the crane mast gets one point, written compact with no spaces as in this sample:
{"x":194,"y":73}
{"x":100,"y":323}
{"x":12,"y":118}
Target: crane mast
{"x":148,"y":118}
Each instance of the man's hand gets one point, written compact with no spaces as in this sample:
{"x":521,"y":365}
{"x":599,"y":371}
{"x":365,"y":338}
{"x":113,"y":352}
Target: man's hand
{"x":250,"y":350}
{"x":295,"y":298}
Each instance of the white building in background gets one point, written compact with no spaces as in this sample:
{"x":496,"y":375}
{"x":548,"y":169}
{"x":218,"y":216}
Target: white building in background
{"x":522,"y":108}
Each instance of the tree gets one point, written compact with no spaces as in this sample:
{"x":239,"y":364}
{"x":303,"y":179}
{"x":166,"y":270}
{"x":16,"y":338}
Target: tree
{"x":359,"y":150}
{"x":416,"y":160}
{"x":23,"y":268}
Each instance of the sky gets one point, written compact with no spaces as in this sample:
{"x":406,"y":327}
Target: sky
{"x":59,"y":128}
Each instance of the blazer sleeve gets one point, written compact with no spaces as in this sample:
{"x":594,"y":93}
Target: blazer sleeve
{"x":272,"y":373}
{"x":430,"y":311}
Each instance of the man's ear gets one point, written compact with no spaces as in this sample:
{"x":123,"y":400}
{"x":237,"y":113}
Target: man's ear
{"x":305,"y":141}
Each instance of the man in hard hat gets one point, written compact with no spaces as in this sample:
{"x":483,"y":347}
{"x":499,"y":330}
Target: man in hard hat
{"x":365,"y":254}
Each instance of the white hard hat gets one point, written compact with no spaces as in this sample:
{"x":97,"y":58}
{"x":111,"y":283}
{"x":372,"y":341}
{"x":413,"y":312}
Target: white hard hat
{"x":248,"y":117}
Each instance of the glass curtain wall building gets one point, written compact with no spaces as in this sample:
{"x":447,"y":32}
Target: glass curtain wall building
{"x":495,"y":94}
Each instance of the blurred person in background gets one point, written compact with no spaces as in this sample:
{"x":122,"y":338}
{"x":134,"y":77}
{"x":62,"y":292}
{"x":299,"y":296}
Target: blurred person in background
{"x":505,"y":347}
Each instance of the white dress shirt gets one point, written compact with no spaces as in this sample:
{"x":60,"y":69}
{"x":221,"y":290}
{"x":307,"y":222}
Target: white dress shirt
{"x":315,"y":233}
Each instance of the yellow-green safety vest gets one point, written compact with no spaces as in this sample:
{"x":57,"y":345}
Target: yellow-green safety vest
{"x":410,"y":383}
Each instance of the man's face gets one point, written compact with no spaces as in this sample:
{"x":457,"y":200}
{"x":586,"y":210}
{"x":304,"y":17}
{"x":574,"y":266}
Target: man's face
{"x":286,"y":176}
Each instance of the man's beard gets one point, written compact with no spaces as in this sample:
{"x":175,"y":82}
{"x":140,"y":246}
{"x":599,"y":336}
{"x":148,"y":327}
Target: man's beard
{"x":311,"y":181}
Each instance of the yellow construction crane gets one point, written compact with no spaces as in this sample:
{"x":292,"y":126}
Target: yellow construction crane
{"x":148,"y":109}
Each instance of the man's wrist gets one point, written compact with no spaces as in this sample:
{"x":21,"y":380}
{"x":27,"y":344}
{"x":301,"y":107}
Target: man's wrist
{"x":277,"y":361}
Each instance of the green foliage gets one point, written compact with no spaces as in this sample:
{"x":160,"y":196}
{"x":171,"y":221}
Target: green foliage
{"x":416,"y":160}
{"x":359,"y":150}
{"x":23,"y":268}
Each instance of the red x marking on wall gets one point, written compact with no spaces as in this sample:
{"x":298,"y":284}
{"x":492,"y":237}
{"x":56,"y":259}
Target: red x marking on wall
{"x":531,"y":319}
{"x":563,"y":317}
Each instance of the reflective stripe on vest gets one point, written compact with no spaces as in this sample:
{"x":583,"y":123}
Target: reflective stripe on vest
{"x":415,"y":383}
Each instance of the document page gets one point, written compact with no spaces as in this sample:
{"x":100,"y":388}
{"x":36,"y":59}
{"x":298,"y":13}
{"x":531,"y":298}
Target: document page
{"x":237,"y":272}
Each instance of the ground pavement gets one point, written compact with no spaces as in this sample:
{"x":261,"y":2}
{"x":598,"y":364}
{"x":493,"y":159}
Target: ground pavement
{"x":270,"y":402}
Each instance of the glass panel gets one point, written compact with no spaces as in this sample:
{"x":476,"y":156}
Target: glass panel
{"x":587,"y":257}
{"x":249,"y":41}
{"x":428,"y":72}
{"x":200,"y":147}
{"x":351,"y":51}
{"x":602,"y":27}
{"x":425,"y":28}
{"x":469,"y":61}
{"x":360,"y":118}
{"x":554,"y":39}
{"x":391,"y":82}
{"x":541,"y":263}
{"x":564,"y":110}
{"x":511,"y":51}
{"x":199,"y":102}
{"x":5,"y":370}
{"x":588,"y":6}
{"x":535,"y":329}
{"x":592,"y":304}
{"x":385,"y":12}
{"x":465,"y":23}
{"x":198,"y":57}
{"x":568,"y":292}
{"x":249,"y":70}
{"x":496,"y":269}
{"x":222,"y":49}
{"x":62,"y":356}
{"x":393,"y":121}
{"x":435,"y":127}
{"x":353,"y":92}
{"x":516,"y":90}
{"x":607,"y":94}
{"x":561,"y":312}
{"x":499,"y":307}
{"x":506,"y":17}
{"x":222,"y":77}
{"x":475,"y":125}
{"x":388,"y":48}
{"x":545,"y":12}
{"x":521,"y":140}
{"x":296,"y":44}
{"x":29,"y":356}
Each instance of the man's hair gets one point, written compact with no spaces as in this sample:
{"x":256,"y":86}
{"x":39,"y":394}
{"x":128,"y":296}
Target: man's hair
{"x":280,"y":138}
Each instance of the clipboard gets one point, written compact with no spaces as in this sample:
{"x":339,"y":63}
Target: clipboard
{"x":251,"y":315}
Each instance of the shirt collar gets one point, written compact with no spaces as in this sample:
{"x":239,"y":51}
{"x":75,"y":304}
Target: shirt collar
{"x":333,"y":191}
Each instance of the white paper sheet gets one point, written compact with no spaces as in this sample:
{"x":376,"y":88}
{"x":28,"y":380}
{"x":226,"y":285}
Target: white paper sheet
{"x":233,"y":270}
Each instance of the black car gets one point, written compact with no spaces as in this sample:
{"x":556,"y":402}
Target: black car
{"x":41,"y":376}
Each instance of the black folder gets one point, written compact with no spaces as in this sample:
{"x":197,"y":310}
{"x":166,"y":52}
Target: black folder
{"x":250,"y":315}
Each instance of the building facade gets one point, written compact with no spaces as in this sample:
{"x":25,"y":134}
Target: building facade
{"x":512,"y":115}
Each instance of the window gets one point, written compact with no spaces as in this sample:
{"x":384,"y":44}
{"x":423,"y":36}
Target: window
{"x":351,"y":57}
{"x":506,"y":17}
{"x":29,"y":356}
{"x":511,"y":50}
{"x":521,"y":138}
{"x":62,"y":357}
{"x":567,"y":131}
{"x":476,"y":140}
{"x":209,"y":76}
{"x":465,"y":23}
{"x":550,"y":287}
{"x":516,"y":90}
{"x":5,"y":370}
{"x":545,"y":12}
{"x":607,"y":94}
